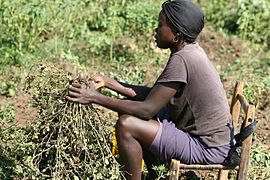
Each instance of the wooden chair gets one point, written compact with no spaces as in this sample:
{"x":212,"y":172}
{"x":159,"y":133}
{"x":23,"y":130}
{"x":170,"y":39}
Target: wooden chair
{"x":238,"y":101}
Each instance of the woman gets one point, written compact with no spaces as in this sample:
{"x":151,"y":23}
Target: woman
{"x":185,"y":115}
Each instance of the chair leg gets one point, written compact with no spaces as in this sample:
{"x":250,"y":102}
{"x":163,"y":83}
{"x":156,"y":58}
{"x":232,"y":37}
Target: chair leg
{"x":174,"y":169}
{"x":223,"y":174}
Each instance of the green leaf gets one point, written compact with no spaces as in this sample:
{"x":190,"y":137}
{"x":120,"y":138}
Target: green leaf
{"x":11,"y":92}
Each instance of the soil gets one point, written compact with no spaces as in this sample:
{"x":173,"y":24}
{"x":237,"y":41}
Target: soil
{"x":23,"y":111}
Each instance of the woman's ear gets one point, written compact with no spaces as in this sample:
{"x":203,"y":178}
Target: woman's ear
{"x":177,"y":37}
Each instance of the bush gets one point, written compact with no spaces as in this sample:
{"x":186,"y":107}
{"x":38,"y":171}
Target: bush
{"x":254,"y":16}
{"x":247,"y":18}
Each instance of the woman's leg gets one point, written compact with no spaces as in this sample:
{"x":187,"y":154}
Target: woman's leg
{"x":150,"y":161}
{"x":133,"y":135}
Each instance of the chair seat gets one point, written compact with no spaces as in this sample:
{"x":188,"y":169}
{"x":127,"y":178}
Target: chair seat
{"x":204,"y":167}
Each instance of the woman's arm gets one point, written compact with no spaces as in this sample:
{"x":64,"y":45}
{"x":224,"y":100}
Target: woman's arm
{"x":133,"y":92}
{"x":158,"y":97}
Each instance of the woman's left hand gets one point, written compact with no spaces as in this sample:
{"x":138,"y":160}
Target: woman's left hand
{"x":81,"y":93}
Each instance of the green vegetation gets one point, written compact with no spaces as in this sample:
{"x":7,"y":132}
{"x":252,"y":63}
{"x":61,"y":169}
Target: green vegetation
{"x":116,"y":38}
{"x":247,"y":18}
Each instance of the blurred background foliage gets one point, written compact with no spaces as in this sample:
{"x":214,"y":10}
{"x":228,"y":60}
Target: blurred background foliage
{"x":247,"y":18}
{"x":91,"y":32}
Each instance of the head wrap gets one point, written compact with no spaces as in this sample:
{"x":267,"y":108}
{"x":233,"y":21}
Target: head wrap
{"x":185,"y":16}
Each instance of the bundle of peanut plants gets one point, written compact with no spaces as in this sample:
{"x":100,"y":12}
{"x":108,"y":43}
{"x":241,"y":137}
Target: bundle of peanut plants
{"x":67,"y":140}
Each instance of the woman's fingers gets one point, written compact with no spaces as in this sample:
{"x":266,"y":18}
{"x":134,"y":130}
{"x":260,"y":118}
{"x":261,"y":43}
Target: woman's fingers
{"x":98,"y":82}
{"x":73,"y":94}
{"x":74,"y":88}
{"x":77,"y":85}
{"x":98,"y":85}
{"x":72,"y":99}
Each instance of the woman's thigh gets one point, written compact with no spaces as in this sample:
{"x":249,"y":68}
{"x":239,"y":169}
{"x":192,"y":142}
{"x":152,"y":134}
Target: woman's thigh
{"x":171,"y":142}
{"x":143,"y":130}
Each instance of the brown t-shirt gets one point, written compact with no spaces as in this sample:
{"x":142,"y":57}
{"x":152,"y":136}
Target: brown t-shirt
{"x":201,"y":107}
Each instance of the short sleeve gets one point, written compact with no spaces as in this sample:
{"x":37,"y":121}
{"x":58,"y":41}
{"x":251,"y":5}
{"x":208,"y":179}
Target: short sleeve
{"x":175,"y":70}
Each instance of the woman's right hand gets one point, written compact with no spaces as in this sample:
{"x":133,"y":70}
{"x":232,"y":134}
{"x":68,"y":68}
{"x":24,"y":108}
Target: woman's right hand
{"x":99,"y":81}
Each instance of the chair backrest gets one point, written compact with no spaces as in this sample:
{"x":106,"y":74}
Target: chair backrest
{"x":238,"y":101}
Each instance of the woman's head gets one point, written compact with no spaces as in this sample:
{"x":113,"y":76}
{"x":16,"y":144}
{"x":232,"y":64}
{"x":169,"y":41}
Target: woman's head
{"x":165,"y":33}
{"x":184,"y":17}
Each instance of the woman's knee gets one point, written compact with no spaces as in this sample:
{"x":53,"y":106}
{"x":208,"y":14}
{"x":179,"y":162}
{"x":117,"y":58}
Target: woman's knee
{"x":124,"y":123}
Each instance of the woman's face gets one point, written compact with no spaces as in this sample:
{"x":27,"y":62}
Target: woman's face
{"x":164,"y":35}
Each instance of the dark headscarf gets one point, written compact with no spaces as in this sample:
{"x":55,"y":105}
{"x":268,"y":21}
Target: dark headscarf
{"x":185,"y":16}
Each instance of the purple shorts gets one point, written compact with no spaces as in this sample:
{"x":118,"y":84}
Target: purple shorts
{"x":172,"y":143}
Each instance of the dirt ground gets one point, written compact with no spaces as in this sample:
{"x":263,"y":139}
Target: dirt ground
{"x":23,"y":111}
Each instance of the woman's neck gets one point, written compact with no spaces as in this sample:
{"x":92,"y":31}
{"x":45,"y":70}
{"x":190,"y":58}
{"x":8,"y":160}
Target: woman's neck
{"x":178,"y":47}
